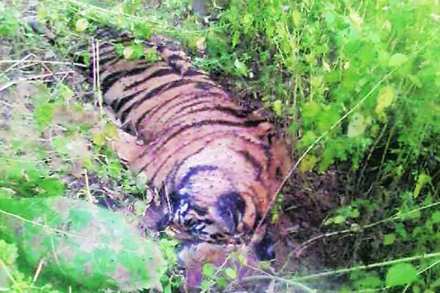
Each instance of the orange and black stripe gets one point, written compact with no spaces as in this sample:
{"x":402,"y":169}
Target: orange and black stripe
{"x":196,"y":137}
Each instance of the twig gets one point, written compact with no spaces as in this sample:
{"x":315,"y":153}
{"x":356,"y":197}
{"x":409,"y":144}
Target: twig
{"x":286,"y":281}
{"x":219,"y":269}
{"x":38,"y":271}
{"x":422,"y":271}
{"x":64,"y":77}
{"x":33,"y":77}
{"x":54,"y":254}
{"x":366,"y":267}
{"x":17,"y":62}
{"x":269,"y":276}
{"x":98,"y":79}
{"x":298,"y":251}
{"x":39,"y":224}
{"x":43,"y":62}
{"x":94,"y":65}
{"x":370,"y":153}
{"x":6,"y":270}
{"x":50,"y":71}
{"x":88,"y":193}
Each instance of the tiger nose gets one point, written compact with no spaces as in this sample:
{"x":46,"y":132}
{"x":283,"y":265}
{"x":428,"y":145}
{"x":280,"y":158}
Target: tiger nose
{"x":230,"y":208}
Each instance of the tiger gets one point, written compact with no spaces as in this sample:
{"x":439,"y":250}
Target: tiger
{"x":215,"y":164}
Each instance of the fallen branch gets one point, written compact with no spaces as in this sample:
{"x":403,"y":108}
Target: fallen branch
{"x":296,"y":280}
{"x":43,"y":62}
{"x":369,"y":266}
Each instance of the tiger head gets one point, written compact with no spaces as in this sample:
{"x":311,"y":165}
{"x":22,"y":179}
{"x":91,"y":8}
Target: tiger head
{"x":209,"y":207}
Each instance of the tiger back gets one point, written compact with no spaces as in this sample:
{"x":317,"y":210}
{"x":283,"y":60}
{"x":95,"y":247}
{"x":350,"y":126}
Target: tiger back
{"x":216,"y":164}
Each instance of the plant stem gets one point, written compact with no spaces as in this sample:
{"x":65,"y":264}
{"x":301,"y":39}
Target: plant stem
{"x":366,"y":267}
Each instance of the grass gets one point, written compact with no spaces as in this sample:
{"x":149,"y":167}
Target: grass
{"x":355,"y":84}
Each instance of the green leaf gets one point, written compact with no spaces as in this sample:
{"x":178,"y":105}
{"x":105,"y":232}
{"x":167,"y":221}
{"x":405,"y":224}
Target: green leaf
{"x":99,"y":138}
{"x":81,"y":25}
{"x":370,"y":281}
{"x":422,"y":180}
{"x":231,"y":273}
{"x":308,"y":139}
{"x":142,"y":30}
{"x":435,"y":218}
{"x":43,"y":115}
{"x":357,"y":126}
{"x":65,"y":92}
{"x":9,"y":23}
{"x":277,"y":107}
{"x":133,"y":52}
{"x":119,"y":49}
{"x":221,"y":282}
{"x":82,"y":243}
{"x":401,"y":274}
{"x":8,"y":253}
{"x":398,"y":59}
{"x":308,"y":163}
{"x":435,"y":284}
{"x":8,"y":256}
{"x":385,"y":99}
{"x":151,"y":55}
{"x":51,"y":187}
{"x":389,"y":239}
{"x":296,"y":17}
{"x":208,"y":270}
{"x":241,"y":68}
{"x":339,"y":219}
{"x":327,"y":119}
{"x":311,"y":109}
{"x":205,"y":285}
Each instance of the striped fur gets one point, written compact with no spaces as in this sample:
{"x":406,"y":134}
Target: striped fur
{"x":217,"y":164}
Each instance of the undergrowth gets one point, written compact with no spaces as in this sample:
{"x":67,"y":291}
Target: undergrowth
{"x":356,"y":82}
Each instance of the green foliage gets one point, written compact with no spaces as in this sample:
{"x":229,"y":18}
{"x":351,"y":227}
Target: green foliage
{"x":321,"y":59}
{"x":44,"y":114}
{"x":9,"y":23}
{"x":77,"y":243}
{"x":11,"y":279}
{"x":360,"y":80}
{"x":135,"y":51}
{"x":401,"y":274}
{"x":173,"y":280}
{"x":40,"y":153}
{"x":217,"y":276}
{"x":366,"y":280}
{"x":28,"y":179}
